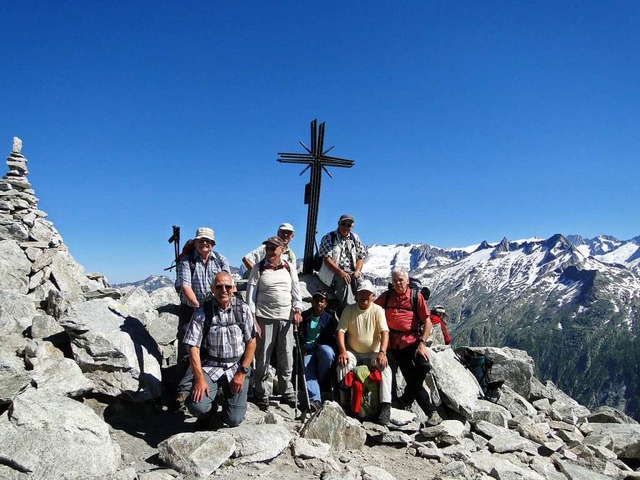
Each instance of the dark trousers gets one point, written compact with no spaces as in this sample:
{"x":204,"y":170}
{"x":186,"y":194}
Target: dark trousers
{"x":414,"y":370}
{"x":184,"y":317}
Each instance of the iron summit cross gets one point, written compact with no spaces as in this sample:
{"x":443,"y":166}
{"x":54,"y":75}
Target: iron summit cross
{"x":317,"y":160}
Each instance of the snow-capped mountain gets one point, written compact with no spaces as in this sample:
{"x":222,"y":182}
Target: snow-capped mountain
{"x":572,"y":303}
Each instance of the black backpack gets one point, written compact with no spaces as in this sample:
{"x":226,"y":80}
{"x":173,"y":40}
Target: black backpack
{"x":480,"y":366}
{"x":416,"y":287}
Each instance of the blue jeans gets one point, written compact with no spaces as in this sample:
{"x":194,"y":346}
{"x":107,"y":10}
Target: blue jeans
{"x":234,"y":407}
{"x":316,"y":367}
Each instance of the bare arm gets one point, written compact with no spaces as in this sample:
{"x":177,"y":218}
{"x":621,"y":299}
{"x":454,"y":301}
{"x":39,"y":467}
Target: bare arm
{"x":200,"y":388}
{"x":190,"y":296}
{"x":247,"y":263}
{"x":343,"y":357}
{"x":238,"y":379}
{"x":333,"y":266}
{"x":382,"y":354}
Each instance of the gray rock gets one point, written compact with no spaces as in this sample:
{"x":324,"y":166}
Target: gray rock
{"x":458,"y":387}
{"x":38,"y":352}
{"x":576,"y":472}
{"x":16,"y":312}
{"x":332,"y":426}
{"x":608,"y":414}
{"x":546,"y":468}
{"x":450,"y":432}
{"x":14,"y":267}
{"x":307,"y":448}
{"x":501,"y":468}
{"x":13,"y":376}
{"x":515,"y":403}
{"x":51,"y":436}
{"x":393,"y":438}
{"x":625,"y":437}
{"x":62,"y":377}
{"x":44,"y":326}
{"x":510,"y":443}
{"x":490,"y":412}
{"x":542,"y":405}
{"x":456,"y":469}
{"x":537,"y":432}
{"x":568,"y":413}
{"x":371,"y":472}
{"x":259,"y":443}
{"x":200,"y":453}
{"x":113,"y":349}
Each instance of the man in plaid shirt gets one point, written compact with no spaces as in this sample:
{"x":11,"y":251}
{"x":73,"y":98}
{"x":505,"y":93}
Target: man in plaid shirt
{"x":221,"y":358}
{"x":343,"y":254}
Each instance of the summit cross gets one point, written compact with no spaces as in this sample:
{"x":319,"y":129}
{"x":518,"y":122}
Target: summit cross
{"x":317,"y":160}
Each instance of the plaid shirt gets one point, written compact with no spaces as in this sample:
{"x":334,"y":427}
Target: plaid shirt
{"x":347,"y":248}
{"x":203,"y":274}
{"x":230,"y":330}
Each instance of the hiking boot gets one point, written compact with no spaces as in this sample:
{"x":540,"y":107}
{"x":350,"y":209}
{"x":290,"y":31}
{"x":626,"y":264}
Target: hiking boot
{"x":384,"y":416}
{"x":433,"y":420}
{"x":263,"y":404}
{"x":288,"y":399}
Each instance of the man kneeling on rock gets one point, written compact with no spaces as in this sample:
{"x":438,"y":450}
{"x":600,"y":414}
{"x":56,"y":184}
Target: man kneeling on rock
{"x":221,"y":342}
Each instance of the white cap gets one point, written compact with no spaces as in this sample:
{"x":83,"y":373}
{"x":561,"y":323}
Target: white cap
{"x":366,"y":285}
{"x":286,"y":226}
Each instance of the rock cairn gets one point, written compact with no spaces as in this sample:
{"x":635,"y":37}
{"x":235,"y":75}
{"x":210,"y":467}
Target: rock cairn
{"x":43,"y":256}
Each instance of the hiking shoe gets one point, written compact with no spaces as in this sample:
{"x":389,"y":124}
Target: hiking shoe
{"x":433,"y":420}
{"x":263,"y":404}
{"x":288,"y":399}
{"x":384,"y":416}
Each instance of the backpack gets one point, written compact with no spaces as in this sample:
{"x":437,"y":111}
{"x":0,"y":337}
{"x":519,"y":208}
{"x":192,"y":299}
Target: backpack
{"x":262,"y":266}
{"x":188,"y":251}
{"x":480,"y":365}
{"x":318,"y":260}
{"x":416,"y":287}
{"x":209,"y":311}
{"x":364,"y":384}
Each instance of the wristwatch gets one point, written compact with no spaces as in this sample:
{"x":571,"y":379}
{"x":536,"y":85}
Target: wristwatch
{"x":244,"y":370}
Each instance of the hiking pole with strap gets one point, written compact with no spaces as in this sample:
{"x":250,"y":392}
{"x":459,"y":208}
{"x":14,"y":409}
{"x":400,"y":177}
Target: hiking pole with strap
{"x":300,"y":359}
{"x":175,"y":239}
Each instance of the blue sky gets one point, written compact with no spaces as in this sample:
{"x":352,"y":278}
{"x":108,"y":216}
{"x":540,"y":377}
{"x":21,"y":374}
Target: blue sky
{"x":468,"y":121}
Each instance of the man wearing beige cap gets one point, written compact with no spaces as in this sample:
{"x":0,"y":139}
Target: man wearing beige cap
{"x":286,"y":233}
{"x":367,"y":338}
{"x":273,"y":295}
{"x":343,"y":257}
{"x":196,"y":270}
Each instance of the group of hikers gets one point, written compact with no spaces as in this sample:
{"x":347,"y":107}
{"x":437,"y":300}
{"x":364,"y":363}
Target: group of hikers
{"x":222,"y":337}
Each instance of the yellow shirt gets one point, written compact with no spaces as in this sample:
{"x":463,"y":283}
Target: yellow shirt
{"x":363,"y":327}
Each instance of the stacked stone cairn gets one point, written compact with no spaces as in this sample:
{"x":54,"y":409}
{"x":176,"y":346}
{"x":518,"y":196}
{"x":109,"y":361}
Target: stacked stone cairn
{"x":74,"y":349}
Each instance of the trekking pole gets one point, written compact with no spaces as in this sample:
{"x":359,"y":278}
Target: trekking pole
{"x":175,"y":239}
{"x":303,"y":375}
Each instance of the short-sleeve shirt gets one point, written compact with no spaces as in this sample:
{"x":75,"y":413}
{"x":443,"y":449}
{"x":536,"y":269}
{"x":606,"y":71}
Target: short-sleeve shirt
{"x":403,"y":326}
{"x":203,"y":274}
{"x":363,"y":327}
{"x":350,"y":247}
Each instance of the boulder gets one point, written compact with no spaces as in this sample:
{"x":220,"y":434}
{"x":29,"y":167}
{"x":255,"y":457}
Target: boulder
{"x":14,"y":267}
{"x":52,"y":436}
{"x":62,"y":376}
{"x":458,"y":388}
{"x":332,"y":426}
{"x":199,"y":454}
{"x":114,"y":350}
{"x":625,"y":438}
{"x":259,"y":443}
{"x":16,"y":312}
{"x":13,"y":376}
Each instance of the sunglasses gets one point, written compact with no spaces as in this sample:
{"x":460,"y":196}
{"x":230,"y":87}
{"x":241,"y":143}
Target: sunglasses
{"x":225,"y":287}
{"x":205,"y":240}
{"x":346,"y":224}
